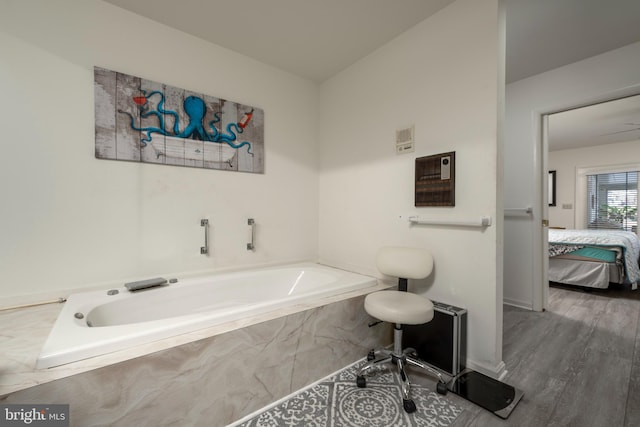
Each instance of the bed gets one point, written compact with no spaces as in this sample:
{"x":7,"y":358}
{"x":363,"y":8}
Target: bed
{"x":594,"y":258}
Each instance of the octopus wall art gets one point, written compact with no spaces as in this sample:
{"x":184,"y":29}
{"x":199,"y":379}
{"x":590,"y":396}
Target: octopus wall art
{"x":144,"y":121}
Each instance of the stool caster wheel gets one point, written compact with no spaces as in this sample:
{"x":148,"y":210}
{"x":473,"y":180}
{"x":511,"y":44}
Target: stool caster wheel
{"x":441,"y":388}
{"x":361,"y":381}
{"x":409,"y":406}
{"x":411,"y":352}
{"x":371,"y":356}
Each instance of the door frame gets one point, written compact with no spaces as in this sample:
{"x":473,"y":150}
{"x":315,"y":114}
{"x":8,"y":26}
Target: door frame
{"x":540,"y":291}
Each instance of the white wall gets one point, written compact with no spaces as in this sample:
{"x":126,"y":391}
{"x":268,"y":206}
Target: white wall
{"x":68,"y":220}
{"x":566,"y":163}
{"x":607,"y":76}
{"x":442,"y":76}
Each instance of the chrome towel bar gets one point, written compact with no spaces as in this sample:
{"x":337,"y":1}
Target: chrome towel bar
{"x":518,"y":211}
{"x":484,"y":221}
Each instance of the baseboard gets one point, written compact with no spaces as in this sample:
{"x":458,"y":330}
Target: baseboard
{"x":516,"y":303}
{"x":498,"y":372}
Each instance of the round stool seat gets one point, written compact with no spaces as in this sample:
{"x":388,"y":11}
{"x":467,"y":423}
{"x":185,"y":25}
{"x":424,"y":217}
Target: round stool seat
{"x":399,"y":307}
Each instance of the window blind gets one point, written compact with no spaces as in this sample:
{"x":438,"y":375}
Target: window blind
{"x":612,"y":201}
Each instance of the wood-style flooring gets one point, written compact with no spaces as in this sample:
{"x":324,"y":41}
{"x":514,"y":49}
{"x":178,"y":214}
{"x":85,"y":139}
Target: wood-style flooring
{"x":578,"y":363}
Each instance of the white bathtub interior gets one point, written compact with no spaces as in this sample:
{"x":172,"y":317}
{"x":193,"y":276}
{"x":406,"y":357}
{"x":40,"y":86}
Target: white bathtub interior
{"x":100,"y":322}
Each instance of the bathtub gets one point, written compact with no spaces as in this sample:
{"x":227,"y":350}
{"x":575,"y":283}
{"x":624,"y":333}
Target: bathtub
{"x":100,"y":322}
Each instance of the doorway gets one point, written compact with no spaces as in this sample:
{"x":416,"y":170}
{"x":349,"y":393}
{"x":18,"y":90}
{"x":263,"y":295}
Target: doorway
{"x":599,"y":137}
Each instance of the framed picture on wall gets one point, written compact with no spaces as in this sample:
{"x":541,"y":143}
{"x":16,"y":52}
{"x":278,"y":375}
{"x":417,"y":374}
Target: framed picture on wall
{"x":140,"y":120}
{"x":552,"y":188}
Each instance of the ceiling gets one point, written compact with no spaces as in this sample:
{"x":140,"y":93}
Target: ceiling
{"x":599,"y":124}
{"x":314,"y":39}
{"x":317,"y":39}
{"x":547,"y":34}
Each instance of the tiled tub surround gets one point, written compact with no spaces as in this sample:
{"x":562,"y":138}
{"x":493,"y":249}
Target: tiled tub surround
{"x":209,"y":377}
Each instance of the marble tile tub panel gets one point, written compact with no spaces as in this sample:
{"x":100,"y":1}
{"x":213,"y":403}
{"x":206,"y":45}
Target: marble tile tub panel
{"x":214,"y":381}
{"x":21,"y":338}
{"x":336,"y":334}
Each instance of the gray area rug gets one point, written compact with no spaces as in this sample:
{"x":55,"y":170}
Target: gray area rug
{"x":338,"y":402}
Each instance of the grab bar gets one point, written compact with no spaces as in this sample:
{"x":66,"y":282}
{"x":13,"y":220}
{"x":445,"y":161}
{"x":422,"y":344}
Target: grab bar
{"x":204,"y":250}
{"x":251,"y":223}
{"x":483,"y":221}
{"x":518,"y":211}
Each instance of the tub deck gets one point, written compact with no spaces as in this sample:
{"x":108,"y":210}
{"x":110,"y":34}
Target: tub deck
{"x":25,"y":331}
{"x":98,"y":322}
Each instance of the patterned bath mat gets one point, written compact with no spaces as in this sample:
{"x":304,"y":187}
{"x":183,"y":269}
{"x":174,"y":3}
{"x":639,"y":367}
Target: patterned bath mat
{"x":338,"y":402}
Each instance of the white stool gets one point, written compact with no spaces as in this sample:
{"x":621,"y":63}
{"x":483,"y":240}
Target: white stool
{"x":400,"y":307}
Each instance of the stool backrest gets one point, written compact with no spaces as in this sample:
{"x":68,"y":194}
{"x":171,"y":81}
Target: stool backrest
{"x":405,"y":263}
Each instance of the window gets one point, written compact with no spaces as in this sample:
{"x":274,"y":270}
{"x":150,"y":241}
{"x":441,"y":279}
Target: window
{"x":612,"y":201}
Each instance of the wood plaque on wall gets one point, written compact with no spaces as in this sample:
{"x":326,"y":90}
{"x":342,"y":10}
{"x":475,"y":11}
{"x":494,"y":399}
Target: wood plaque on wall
{"x":436,"y":180}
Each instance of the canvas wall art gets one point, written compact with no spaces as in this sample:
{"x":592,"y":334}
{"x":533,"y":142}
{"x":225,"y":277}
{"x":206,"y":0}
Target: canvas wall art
{"x":145,"y":121}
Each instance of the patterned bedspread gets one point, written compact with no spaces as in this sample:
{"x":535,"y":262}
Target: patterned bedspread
{"x":556,"y":249}
{"x":628,"y":241}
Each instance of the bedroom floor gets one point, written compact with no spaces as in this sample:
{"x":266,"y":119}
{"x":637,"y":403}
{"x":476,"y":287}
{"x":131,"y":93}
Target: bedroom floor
{"x":578,"y":363}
